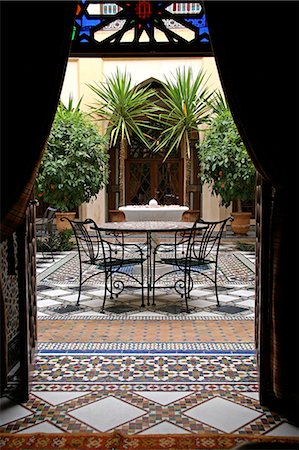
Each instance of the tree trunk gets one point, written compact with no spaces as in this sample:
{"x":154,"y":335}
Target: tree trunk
{"x":122,"y":158}
{"x":239,"y":205}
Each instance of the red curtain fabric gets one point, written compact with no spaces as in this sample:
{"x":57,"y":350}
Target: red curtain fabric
{"x":256,"y":50}
{"x":35,"y":42}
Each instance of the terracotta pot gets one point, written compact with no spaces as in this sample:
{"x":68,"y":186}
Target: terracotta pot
{"x":241,"y":222}
{"x":190,"y":216}
{"x":115,"y":215}
{"x":64,"y":224}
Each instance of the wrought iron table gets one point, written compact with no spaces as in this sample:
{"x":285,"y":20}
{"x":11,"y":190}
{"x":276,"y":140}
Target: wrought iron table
{"x":150,"y":229}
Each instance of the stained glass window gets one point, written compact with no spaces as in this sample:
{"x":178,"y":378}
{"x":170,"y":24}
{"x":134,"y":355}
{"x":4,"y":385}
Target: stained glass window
{"x":145,"y":28}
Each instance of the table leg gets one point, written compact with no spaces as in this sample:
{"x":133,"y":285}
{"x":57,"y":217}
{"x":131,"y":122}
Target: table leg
{"x":149,"y":265}
{"x":153,"y":244}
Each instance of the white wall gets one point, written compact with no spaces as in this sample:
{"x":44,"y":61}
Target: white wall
{"x":79,"y":73}
{"x":210,"y":208}
{"x":71,"y":82}
{"x":142,"y":69}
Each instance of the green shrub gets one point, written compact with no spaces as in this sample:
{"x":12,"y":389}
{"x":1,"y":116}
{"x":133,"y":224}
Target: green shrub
{"x":245,"y":247}
{"x":75,"y":164}
{"x":225,"y":163}
{"x":57,"y":241}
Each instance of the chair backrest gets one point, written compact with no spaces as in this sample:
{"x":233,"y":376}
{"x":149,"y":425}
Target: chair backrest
{"x":92,"y":246}
{"x":49,"y":213}
{"x":44,"y":224}
{"x":205,"y":242}
{"x":88,"y":243}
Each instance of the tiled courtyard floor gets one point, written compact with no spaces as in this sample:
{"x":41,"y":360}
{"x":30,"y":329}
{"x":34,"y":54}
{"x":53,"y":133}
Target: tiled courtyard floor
{"x":145,"y":370}
{"x":143,"y":331}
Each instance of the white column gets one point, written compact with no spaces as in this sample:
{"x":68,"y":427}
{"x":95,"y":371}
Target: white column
{"x":95,"y":209}
{"x":211,"y":209}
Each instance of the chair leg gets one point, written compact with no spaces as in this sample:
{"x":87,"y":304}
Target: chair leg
{"x":51,"y":249}
{"x":187,"y":290}
{"x":189,"y":286}
{"x":105,"y":292}
{"x":50,"y":246}
{"x":42,"y":242}
{"x":111,"y":287}
{"x":154,"y":281}
{"x":142,"y":286}
{"x":187,"y":306}
{"x":80,"y":285}
{"x":216,"y":287}
{"x":79,"y":295}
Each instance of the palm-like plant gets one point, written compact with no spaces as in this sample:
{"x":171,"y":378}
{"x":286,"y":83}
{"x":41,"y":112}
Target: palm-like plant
{"x":185,"y":107}
{"x":125,"y":107}
{"x":218,"y":103}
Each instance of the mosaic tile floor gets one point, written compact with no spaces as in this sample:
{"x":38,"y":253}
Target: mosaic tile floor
{"x":58,"y":293}
{"x":143,"y":371}
{"x":75,"y":389}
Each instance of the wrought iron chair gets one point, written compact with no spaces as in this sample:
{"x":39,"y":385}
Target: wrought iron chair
{"x":116,"y":215}
{"x":114,"y":260}
{"x":193,"y":252}
{"x":44,"y":229}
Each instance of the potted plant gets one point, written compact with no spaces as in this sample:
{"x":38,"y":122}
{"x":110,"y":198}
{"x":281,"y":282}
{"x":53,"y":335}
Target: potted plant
{"x":226,"y":165}
{"x":74,"y":166}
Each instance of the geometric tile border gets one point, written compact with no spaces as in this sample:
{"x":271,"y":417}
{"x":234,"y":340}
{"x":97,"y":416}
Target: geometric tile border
{"x":149,"y":347}
{"x":126,"y":316}
{"x":143,"y":368}
{"x":154,"y":414}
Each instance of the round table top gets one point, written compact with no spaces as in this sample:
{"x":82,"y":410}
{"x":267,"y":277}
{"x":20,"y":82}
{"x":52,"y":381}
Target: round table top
{"x":148,"y":226}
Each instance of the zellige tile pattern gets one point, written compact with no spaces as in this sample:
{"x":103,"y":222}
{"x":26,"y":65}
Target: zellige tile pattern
{"x":144,"y":370}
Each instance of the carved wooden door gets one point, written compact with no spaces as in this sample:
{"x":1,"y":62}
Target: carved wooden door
{"x":151,"y":178}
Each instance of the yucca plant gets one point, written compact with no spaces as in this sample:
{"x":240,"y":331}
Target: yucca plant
{"x":126,"y":107}
{"x":218,"y":103}
{"x":185,"y":107}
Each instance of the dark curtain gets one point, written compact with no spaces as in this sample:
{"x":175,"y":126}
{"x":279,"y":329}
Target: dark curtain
{"x":35,"y":42}
{"x":255,"y":47}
